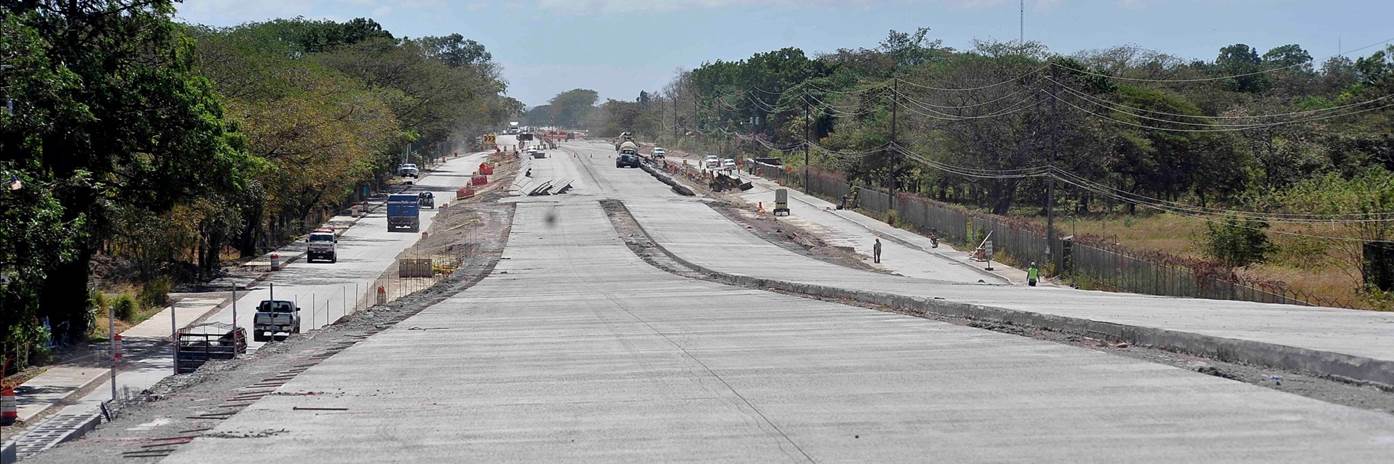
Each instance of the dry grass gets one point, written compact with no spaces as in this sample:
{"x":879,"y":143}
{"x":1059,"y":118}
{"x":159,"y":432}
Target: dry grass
{"x":1312,"y":266}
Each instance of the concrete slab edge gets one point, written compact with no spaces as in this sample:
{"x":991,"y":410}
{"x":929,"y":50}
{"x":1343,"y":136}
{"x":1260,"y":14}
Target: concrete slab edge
{"x":666,"y":179}
{"x":8,"y":452}
{"x":1350,"y":368}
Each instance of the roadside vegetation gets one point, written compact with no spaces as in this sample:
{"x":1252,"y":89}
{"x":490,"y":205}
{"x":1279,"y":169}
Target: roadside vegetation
{"x":1261,"y":164}
{"x":141,"y":153}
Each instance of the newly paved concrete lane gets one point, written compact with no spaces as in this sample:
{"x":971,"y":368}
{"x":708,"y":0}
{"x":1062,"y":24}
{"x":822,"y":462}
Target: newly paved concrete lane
{"x":701,"y":235}
{"x":575,"y":350}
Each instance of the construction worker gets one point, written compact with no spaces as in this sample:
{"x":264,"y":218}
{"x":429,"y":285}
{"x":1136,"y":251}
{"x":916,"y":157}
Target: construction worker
{"x":876,"y":252}
{"x":1033,"y":273}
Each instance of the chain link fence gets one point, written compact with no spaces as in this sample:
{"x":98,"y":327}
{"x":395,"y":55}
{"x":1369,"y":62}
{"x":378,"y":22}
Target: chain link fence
{"x":1086,"y":263}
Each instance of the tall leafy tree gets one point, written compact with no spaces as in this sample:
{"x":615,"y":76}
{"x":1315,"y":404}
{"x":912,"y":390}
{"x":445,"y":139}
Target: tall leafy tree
{"x":123,"y":123}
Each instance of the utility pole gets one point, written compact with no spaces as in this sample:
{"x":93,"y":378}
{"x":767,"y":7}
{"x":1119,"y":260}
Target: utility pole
{"x":890,"y":174}
{"x":675,"y":117}
{"x":1021,"y":22}
{"x":111,"y":334}
{"x":806,"y":142}
{"x":1050,"y":179}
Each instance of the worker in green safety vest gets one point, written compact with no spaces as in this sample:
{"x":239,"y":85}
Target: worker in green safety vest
{"x":1033,"y":273}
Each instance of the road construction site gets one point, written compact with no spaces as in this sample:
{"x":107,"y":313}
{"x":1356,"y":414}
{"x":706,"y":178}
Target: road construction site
{"x":621,"y":321}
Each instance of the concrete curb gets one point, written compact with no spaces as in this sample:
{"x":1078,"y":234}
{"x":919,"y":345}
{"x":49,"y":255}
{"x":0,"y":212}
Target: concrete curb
{"x":1357,"y":369}
{"x":666,"y":179}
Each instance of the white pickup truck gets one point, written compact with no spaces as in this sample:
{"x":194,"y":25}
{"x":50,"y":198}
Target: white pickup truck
{"x":321,"y":246}
{"x":275,"y":316}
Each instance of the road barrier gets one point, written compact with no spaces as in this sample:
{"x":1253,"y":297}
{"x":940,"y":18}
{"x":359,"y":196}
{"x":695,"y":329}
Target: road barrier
{"x":9,"y":407}
{"x":479,"y":179}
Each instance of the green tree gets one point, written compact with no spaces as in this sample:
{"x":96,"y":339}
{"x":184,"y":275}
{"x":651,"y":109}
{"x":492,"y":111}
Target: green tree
{"x":119,"y":121}
{"x":1243,"y":62}
{"x":1238,"y":242}
{"x":572,"y":107}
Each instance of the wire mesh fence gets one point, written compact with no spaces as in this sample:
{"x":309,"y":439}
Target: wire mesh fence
{"x":1089,"y":265}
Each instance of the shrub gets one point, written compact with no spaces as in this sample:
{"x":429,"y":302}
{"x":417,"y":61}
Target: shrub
{"x":155,"y":293}
{"x":124,"y":307}
{"x":1238,"y":242}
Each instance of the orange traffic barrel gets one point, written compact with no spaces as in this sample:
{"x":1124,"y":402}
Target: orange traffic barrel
{"x":9,"y":407}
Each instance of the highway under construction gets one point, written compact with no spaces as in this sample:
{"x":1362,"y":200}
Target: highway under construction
{"x":622,"y":321}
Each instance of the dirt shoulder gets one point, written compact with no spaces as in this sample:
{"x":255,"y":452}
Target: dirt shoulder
{"x":186,"y":406}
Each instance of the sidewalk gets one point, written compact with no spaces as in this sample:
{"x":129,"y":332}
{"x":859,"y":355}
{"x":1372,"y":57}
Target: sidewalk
{"x":144,"y":345}
{"x":60,"y":383}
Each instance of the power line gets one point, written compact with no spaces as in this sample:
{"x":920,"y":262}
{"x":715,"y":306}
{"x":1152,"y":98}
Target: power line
{"x":1215,"y":128}
{"x":973,"y":89}
{"x":1143,"y":200}
{"x":1131,"y":109}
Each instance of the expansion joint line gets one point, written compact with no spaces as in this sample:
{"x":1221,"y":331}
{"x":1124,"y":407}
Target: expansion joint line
{"x":713,"y":373}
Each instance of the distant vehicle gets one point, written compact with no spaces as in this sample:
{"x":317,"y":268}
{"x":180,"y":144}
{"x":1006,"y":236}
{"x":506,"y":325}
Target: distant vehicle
{"x":659,"y":153}
{"x":627,"y":159}
{"x":321,"y":246}
{"x":403,"y":212}
{"x":537,"y":153}
{"x":524,"y":136}
{"x":728,"y":164}
{"x":273,"y":317}
{"x":711,"y":162}
{"x":426,"y":200}
{"x":627,"y":145}
{"x":408,"y":170}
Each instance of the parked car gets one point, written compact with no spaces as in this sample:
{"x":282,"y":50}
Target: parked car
{"x":711,"y":162}
{"x":659,"y":153}
{"x":408,"y":170}
{"x":275,"y":316}
{"x":728,"y":164}
{"x":627,"y":160}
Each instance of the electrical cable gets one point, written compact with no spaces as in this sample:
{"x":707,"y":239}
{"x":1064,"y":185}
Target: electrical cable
{"x":1116,"y":107}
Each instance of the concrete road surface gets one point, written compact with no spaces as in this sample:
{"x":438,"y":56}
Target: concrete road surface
{"x":575,"y":350}
{"x":701,"y":235}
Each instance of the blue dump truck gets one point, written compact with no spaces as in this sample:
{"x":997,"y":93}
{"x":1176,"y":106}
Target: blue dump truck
{"x":403,"y":212}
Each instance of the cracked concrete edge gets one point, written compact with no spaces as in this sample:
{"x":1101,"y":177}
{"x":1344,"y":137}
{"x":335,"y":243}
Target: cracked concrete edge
{"x":1339,"y":366}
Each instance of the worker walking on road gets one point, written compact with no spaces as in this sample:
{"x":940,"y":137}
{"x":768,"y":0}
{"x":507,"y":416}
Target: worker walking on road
{"x":876,"y":251}
{"x":1032,"y":274}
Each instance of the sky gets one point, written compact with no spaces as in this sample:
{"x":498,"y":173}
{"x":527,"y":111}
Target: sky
{"x":620,"y":47}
